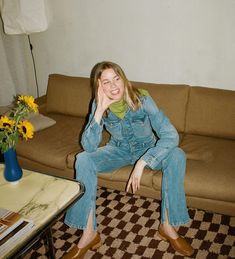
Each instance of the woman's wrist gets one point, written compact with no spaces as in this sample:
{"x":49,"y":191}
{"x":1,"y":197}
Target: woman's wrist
{"x":98,"y":115}
{"x":141,"y":163}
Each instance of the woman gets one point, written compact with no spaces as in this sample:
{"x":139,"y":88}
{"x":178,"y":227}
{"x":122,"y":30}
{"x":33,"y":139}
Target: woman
{"x":133,"y":120}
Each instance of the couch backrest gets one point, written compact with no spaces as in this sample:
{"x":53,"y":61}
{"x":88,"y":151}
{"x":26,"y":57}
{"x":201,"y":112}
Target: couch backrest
{"x":68,"y":95}
{"x":211,"y":112}
{"x":172,"y":99}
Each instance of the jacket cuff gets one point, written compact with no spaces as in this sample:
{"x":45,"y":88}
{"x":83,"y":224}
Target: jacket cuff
{"x":151,"y":161}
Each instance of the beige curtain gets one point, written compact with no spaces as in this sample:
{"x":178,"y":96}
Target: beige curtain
{"x":19,"y":19}
{"x":14,"y":70}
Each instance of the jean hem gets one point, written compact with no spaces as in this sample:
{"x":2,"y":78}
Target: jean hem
{"x":71,"y":225}
{"x":179,"y":223}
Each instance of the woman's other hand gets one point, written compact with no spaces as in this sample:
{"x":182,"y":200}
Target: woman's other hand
{"x":136,"y":175}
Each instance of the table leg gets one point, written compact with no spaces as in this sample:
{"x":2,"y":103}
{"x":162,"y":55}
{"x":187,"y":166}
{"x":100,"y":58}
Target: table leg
{"x":50,"y":244}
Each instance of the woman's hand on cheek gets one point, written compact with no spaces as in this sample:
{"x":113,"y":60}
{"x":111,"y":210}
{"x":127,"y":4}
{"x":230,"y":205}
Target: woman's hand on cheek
{"x":103,"y":100}
{"x":103,"y":103}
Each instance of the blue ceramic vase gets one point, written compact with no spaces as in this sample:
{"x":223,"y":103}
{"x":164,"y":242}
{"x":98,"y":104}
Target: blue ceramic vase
{"x":12,"y":170}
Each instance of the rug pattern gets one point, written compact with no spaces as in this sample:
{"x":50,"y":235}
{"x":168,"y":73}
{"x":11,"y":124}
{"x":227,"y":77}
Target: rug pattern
{"x":128,"y":223}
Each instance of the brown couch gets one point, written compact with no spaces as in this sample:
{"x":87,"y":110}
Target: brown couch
{"x":204,"y":118}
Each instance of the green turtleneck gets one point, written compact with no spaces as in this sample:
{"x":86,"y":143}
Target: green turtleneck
{"x":120,"y":108}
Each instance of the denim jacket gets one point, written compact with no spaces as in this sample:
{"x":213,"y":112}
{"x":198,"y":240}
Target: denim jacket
{"x":148,"y":126}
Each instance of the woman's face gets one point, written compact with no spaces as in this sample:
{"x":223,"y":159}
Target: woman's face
{"x":112,"y":84}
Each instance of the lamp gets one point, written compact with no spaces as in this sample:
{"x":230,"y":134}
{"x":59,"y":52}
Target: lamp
{"x":25,"y":17}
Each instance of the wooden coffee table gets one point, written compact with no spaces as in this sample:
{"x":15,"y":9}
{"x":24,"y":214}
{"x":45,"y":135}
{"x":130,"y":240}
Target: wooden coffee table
{"x":40,"y":198}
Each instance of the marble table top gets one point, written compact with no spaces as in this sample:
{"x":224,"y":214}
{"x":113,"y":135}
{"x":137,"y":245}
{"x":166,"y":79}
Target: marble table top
{"x":38,"y":197}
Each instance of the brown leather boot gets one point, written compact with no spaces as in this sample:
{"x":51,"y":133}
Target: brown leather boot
{"x":179,"y":244}
{"x":77,"y":253}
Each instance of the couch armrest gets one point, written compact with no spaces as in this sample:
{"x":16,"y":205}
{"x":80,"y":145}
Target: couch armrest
{"x":42,"y":104}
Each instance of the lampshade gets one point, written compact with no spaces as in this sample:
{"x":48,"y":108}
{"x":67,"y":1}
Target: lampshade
{"x":24,"y":16}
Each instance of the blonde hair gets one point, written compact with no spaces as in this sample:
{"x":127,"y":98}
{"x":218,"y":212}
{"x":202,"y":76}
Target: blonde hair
{"x":131,"y":94}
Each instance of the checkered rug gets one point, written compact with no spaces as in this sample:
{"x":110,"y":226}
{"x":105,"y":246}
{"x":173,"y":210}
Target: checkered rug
{"x":128,"y":223}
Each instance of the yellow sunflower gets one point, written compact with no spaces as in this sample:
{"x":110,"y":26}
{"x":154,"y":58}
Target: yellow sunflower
{"x":29,"y":100}
{"x":6,"y":123}
{"x":26,"y":129}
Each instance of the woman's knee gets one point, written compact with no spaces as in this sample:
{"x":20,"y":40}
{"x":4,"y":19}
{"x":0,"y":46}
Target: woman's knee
{"x":175,"y":158}
{"x":82,"y":157}
{"x":84,"y":164}
{"x":178,"y":154}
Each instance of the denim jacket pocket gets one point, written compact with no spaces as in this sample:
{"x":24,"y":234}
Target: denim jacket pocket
{"x":114,"y":127}
{"x":141,"y":126}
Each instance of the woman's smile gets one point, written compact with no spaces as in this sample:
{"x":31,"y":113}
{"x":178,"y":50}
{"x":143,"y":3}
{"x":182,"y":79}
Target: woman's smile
{"x":112,"y":84}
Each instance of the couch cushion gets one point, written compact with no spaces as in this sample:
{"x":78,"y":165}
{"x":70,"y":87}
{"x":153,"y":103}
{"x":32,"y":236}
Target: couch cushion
{"x":71,"y":158}
{"x":54,"y":143}
{"x":68,"y":95}
{"x":210,"y":167}
{"x":172,"y":99}
{"x":211,"y":112}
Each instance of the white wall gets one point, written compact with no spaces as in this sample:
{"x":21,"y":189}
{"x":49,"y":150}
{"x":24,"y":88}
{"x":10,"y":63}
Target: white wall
{"x":162,"y":41}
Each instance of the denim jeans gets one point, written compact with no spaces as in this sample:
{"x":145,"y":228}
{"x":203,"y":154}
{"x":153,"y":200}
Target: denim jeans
{"x":110,"y":157}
